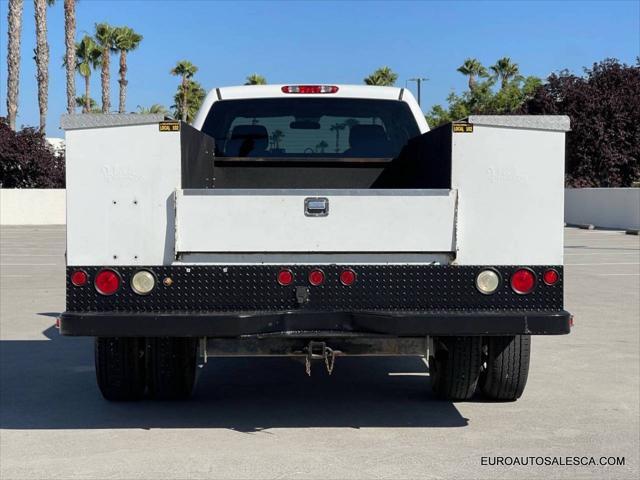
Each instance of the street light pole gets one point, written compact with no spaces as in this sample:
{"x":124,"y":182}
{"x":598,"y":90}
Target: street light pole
{"x":418,"y":81}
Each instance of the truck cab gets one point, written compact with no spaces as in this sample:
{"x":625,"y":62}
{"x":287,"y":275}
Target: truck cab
{"x":314,"y":221}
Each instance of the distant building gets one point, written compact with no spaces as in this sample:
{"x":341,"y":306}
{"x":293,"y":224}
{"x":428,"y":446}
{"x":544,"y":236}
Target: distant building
{"x":57,"y":145}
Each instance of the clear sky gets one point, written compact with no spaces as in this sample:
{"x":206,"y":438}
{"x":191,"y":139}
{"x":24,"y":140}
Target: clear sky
{"x":325,"y":42}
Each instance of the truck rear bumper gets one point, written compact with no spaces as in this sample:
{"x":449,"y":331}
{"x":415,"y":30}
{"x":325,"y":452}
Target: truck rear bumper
{"x":305,"y":323}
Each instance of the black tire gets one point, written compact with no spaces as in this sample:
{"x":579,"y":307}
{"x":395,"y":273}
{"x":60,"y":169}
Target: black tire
{"x":506,"y":367}
{"x":454,"y":367}
{"x":120,"y":368}
{"x":172,"y":364}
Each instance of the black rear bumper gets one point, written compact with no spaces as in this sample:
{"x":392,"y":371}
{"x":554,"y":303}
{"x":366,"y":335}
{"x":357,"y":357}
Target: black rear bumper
{"x":302,"y":323}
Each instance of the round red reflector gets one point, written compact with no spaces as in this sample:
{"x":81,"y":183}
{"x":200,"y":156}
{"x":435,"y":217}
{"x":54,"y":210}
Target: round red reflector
{"x":285,"y":277}
{"x":107,"y":282}
{"x":316,"y":277}
{"x":79,"y":278}
{"x":523,"y":281}
{"x":347,"y":277}
{"x":550,"y":277}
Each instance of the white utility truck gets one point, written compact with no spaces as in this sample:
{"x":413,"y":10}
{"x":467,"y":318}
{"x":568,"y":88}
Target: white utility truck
{"x":314,"y":221}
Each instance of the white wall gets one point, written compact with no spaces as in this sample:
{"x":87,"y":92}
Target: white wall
{"x":32,"y":206}
{"x":603,"y":207}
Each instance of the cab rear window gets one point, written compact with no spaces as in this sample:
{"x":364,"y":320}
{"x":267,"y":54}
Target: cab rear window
{"x":304,"y":127}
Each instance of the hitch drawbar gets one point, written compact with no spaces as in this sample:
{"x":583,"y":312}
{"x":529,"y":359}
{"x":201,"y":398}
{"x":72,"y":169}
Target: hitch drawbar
{"x":320,"y":351}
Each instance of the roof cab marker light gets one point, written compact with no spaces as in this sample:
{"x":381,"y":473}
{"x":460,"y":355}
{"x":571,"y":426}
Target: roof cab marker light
{"x":107,"y":282}
{"x":523,"y":281}
{"x":309,"y":89}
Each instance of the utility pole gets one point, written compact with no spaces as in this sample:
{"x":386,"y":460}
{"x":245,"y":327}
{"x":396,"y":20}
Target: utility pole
{"x":418,"y":81}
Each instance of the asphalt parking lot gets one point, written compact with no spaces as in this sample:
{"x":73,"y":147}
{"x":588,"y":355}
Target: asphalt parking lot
{"x":374,"y":418}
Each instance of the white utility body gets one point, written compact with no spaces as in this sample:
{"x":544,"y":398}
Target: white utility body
{"x":306,"y":212}
{"x":505,"y":204}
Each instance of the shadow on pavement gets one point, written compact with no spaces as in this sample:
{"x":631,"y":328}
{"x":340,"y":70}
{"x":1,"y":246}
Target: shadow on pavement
{"x":50,"y":384}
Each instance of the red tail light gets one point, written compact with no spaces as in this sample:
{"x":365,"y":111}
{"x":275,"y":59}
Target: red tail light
{"x":347,"y":277}
{"x":107,"y":282}
{"x":550,"y":277}
{"x":309,"y":89}
{"x":79,"y":278}
{"x":316,"y":277}
{"x":285,"y":277}
{"x":523,"y":281}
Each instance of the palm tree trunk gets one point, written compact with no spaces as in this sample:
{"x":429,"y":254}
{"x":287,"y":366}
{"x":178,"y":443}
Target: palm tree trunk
{"x":184,"y":98}
{"x":123,"y":81}
{"x":42,"y":60}
{"x":87,"y":96}
{"x":70,"y":49}
{"x":105,"y":78}
{"x":13,"y":60}
{"x":472,"y":83}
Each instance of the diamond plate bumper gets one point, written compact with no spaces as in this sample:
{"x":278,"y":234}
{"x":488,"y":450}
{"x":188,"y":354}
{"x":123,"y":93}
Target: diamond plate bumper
{"x":394,"y":300}
{"x":254,"y":288}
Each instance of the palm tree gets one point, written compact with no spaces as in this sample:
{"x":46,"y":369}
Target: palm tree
{"x":384,"y":77}
{"x":276,"y":136}
{"x":321,"y":146}
{"x":473,"y":69}
{"x":505,"y":70}
{"x":255,"y":79}
{"x":337,"y":127}
{"x":105,"y":38}
{"x":186,"y":70}
{"x":88,"y":104}
{"x":126,"y":40}
{"x":155,"y":108}
{"x":70,"y":52}
{"x":87,"y":55}
{"x":13,"y":60}
{"x":42,"y":58}
{"x":350,"y":122}
{"x":187,"y":105}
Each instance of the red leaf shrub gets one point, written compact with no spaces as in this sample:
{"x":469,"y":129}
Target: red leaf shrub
{"x":27,"y":160}
{"x":603,"y":147}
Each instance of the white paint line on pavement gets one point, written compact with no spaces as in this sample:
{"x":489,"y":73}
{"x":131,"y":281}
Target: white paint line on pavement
{"x":28,"y":264}
{"x":32,"y":241}
{"x":26,"y":255}
{"x":619,"y":263}
{"x":602,"y":253}
{"x":584,"y":231}
{"x":618,"y":274}
{"x":13,"y":276}
{"x":32,"y":246}
{"x":61,"y":254}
